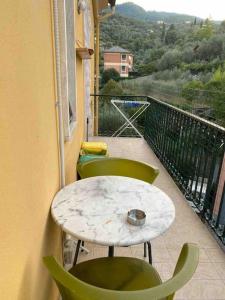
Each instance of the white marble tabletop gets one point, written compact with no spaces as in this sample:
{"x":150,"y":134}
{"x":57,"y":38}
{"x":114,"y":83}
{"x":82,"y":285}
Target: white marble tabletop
{"x":95,"y":210}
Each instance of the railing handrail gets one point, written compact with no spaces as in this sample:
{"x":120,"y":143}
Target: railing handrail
{"x":106,"y":95}
{"x":211,"y":124}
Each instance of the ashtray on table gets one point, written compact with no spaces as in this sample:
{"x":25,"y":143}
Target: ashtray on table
{"x":136,"y":217}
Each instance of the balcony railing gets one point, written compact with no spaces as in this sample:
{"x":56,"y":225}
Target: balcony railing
{"x":191,"y":149}
{"x":110,"y":120}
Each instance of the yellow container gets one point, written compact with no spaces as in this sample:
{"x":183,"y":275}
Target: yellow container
{"x":98,"y":148}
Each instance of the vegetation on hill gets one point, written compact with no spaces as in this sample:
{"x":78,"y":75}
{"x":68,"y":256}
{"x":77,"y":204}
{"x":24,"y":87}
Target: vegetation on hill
{"x":172,"y":59}
{"x":132,"y":10}
{"x":110,"y":74}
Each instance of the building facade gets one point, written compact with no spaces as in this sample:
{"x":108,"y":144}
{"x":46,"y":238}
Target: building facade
{"x":44,"y":103}
{"x":119,"y":59}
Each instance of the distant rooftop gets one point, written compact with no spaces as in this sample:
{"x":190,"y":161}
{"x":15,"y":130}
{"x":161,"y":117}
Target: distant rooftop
{"x":117,"y":49}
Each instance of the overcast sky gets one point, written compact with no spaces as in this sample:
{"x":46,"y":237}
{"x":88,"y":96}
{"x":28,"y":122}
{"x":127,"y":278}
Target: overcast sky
{"x":199,"y":8}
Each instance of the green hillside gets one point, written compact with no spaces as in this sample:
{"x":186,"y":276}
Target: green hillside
{"x":183,"y":61}
{"x":132,"y":10}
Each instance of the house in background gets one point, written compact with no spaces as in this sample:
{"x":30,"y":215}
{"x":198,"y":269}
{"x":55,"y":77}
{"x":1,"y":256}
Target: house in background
{"x":119,"y":59}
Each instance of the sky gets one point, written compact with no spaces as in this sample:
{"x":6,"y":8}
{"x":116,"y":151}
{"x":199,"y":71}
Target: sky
{"x":200,"y":8}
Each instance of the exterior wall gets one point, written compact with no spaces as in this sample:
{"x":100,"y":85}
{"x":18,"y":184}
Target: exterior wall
{"x":29,"y":160}
{"x":125,"y":74}
{"x":29,"y":171}
{"x":130,"y":61}
{"x":112,"y":58}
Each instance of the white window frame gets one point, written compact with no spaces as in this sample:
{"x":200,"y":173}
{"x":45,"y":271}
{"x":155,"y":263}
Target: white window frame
{"x":67,"y":38}
{"x":123,"y":71}
{"x":122,"y":57}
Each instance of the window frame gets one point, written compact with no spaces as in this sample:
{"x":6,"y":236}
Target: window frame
{"x":122,"y":57}
{"x":123,"y":71}
{"x":66,"y":13}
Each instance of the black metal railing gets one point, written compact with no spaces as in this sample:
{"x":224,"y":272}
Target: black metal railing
{"x":110,"y":120}
{"x":192,"y":150}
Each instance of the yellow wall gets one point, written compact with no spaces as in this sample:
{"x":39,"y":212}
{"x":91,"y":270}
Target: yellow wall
{"x":72,"y":147}
{"x":29,"y":163}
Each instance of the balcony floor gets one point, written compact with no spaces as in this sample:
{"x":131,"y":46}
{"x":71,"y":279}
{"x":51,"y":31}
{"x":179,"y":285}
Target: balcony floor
{"x":209,"y":279}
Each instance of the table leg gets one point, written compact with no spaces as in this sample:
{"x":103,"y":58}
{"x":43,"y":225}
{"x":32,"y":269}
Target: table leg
{"x":82,"y":245}
{"x":145,"y":250}
{"x":77,"y":252}
{"x":149,"y":252}
{"x":111,"y":251}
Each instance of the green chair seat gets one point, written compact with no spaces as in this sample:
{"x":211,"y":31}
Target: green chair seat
{"x":120,"y":278}
{"x":117,"y":273}
{"x":89,"y":157}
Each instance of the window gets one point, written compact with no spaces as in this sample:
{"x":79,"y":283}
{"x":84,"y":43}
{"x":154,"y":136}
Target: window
{"x":67,"y":63}
{"x":123,"y":69}
{"x":124,"y":57}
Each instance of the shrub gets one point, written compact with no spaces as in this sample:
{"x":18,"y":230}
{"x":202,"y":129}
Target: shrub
{"x":110,"y":74}
{"x":112,"y":88}
{"x":169,"y":60}
{"x":190,"y":90}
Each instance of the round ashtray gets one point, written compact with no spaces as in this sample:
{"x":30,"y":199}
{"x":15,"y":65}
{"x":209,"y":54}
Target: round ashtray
{"x":136,"y":217}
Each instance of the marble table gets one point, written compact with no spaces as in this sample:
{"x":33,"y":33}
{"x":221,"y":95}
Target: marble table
{"x":95,"y":210}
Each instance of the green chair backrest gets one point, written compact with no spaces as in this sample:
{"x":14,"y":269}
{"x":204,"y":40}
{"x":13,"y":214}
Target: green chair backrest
{"x":118,"y":167}
{"x":71,"y":288}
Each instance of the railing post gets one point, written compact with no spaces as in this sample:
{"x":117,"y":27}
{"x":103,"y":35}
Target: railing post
{"x":96,"y":115}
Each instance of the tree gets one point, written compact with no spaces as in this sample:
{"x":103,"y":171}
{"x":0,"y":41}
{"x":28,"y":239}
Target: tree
{"x":205,"y":31}
{"x":188,"y":55}
{"x":169,"y":60}
{"x":171,"y":35}
{"x":163,"y":33}
{"x":211,"y":48}
{"x":216,"y":95}
{"x":190,"y":90}
{"x":110,"y":74}
{"x":147,"y":69}
{"x":112,"y":88}
{"x":222,"y":26}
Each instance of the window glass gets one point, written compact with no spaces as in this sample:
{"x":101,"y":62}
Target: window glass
{"x":67,"y":62}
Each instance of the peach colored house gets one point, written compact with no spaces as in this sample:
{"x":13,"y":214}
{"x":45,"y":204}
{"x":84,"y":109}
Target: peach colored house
{"x":118,"y":59}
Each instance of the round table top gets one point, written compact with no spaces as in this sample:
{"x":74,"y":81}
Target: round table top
{"x":95,"y":210}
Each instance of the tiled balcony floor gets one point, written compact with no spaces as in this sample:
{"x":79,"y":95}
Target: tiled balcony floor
{"x":209,"y":279}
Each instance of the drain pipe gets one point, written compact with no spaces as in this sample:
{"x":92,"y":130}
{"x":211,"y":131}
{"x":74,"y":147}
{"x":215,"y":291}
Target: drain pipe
{"x":59,"y":93}
{"x":58,"y":105}
{"x":98,"y":20}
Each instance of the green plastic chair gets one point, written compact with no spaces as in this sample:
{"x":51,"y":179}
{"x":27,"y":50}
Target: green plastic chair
{"x":122,"y":278}
{"x":119,"y":167}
